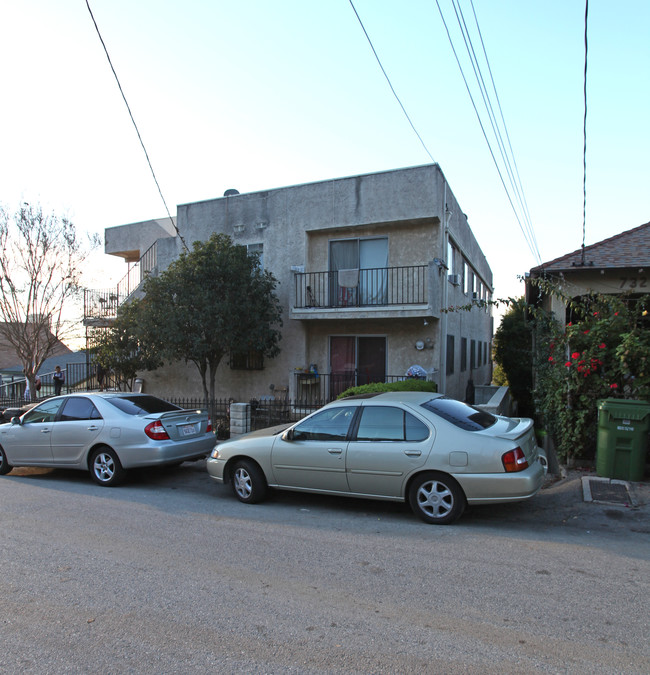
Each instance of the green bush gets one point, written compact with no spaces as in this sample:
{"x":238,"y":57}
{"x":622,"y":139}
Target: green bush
{"x":380,"y":387}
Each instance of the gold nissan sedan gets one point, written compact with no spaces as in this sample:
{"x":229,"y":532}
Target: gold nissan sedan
{"x":435,"y":453}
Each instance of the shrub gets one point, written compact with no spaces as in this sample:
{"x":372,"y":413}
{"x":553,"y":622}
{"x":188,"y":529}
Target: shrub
{"x":379,"y":387}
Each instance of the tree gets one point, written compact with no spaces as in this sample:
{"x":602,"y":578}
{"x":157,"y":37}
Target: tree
{"x":40,"y":269}
{"x":211,"y":301}
{"x":513,"y":352}
{"x":120,"y":350}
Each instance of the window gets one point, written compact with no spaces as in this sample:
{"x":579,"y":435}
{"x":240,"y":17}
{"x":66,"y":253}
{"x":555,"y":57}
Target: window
{"x":78,"y":408}
{"x":384,"y":423}
{"x":463,"y":355}
{"x":465,"y":277}
{"x":328,"y":425}
{"x":250,"y":360}
{"x":460,"y":414}
{"x":472,"y":354}
{"x":450,"y":354}
{"x":46,"y":412}
{"x":136,"y":404}
{"x":358,"y":274}
{"x":451,"y":258}
{"x":256,"y":249}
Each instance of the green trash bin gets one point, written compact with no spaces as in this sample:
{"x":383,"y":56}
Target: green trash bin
{"x":623,"y":426}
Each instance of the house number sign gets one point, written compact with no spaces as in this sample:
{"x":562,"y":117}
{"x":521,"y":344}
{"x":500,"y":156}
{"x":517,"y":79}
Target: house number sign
{"x":634,"y":282}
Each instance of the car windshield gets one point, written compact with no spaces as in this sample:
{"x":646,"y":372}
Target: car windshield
{"x":141,"y":405}
{"x":460,"y":414}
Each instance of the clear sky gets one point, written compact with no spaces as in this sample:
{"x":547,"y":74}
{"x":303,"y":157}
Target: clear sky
{"x":254,"y":94}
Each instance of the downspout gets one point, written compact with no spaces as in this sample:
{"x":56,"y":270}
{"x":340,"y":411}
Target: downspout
{"x":445,"y":216}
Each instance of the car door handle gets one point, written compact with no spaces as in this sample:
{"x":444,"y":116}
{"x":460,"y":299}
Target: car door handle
{"x":93,"y":428}
{"x":335,"y":451}
{"x":45,"y":431}
{"x":412,"y":453}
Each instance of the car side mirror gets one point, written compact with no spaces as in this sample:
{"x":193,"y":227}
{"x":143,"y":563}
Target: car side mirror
{"x":15,"y":420}
{"x":288,"y":435}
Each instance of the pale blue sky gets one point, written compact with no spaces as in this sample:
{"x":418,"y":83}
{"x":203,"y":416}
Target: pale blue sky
{"x":256,"y":94}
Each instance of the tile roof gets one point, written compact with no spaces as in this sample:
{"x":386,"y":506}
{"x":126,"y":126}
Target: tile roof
{"x":624,"y":250}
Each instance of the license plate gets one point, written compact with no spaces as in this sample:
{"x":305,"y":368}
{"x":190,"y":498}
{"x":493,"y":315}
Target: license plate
{"x":188,"y":429}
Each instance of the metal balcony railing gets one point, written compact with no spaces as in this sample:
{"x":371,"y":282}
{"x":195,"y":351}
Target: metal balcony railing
{"x":102,"y":305}
{"x":377,"y":287}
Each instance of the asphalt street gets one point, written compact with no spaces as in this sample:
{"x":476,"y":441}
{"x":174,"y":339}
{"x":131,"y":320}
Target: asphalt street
{"x":170,"y":574}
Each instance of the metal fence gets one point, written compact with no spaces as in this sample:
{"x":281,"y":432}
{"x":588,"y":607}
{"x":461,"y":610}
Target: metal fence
{"x":380,"y":286}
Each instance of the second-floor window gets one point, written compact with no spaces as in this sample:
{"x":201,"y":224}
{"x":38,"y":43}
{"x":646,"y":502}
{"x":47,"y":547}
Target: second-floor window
{"x":359,"y":275}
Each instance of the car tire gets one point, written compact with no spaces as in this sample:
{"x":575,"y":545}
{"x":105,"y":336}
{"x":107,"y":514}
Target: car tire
{"x":105,"y":467}
{"x":436,"y":498}
{"x":5,"y":467}
{"x":248,"y":482}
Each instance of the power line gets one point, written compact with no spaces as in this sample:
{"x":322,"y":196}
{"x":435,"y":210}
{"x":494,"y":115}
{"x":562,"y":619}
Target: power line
{"x":526,"y":235}
{"x":135,"y":125}
{"x":389,"y":82}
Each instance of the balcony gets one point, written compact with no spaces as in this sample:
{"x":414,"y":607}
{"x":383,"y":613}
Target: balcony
{"x":100,"y":307}
{"x":383,"y":292}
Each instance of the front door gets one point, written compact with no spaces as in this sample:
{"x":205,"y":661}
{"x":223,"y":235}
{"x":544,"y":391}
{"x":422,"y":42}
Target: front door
{"x":356,"y":360}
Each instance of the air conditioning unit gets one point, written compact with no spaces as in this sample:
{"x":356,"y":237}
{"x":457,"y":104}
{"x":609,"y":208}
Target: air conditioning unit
{"x":454,"y":279}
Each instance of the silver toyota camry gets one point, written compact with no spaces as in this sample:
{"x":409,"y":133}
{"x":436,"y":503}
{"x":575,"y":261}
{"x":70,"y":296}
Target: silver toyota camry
{"x":435,"y":453}
{"x":105,"y":434}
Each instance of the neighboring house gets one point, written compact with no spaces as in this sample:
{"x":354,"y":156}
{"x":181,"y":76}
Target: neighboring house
{"x":365,"y":266}
{"x":620,"y":264}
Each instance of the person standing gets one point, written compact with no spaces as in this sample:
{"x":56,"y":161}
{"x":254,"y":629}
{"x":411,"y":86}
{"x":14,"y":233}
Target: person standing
{"x":101,"y":374}
{"x":58,"y":378}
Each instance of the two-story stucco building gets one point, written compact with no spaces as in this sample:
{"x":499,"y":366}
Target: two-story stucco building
{"x":366,"y":266}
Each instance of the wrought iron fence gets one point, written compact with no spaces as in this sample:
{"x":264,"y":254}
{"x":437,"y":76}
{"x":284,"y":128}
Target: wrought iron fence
{"x":379,"y":286}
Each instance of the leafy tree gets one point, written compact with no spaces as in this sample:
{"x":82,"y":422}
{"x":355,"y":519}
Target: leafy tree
{"x":211,"y":301}
{"x":513,"y":352}
{"x":120,"y":348}
{"x":40,"y":269}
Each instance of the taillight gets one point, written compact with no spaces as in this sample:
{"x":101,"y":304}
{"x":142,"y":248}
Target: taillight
{"x":515,"y":460}
{"x":156,"y":431}
{"x":209,"y":425}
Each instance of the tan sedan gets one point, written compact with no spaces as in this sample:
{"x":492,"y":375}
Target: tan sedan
{"x":436,"y":453}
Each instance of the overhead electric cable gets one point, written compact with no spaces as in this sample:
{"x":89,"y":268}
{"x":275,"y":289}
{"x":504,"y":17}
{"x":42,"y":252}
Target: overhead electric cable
{"x":389,"y":82}
{"x":135,"y":125}
{"x":496,"y":164}
{"x":496,"y":128}
{"x":505,"y":127}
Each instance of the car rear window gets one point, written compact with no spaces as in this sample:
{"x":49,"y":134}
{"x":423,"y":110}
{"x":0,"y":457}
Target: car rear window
{"x":141,"y":405}
{"x":460,"y":414}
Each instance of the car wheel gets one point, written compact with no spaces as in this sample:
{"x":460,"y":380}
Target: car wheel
{"x":248,"y":482}
{"x":5,"y":467}
{"x":436,"y":498}
{"x":105,"y":468}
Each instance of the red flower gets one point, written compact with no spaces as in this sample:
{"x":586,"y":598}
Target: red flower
{"x":613,"y":386}
{"x":595,"y":313}
{"x":570,"y":324}
{"x":575,"y":355}
{"x":550,"y":359}
{"x":568,"y":364}
{"x":602,"y":345}
{"x":586,"y":332}
{"x":615,"y":313}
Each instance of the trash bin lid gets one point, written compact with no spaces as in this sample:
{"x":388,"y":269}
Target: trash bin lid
{"x":624,"y":408}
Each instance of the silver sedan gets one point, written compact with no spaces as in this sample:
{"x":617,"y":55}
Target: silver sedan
{"x":435,"y":453}
{"x":105,"y":434}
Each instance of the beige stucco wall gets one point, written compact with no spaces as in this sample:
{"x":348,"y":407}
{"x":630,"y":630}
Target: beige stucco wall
{"x":294,"y":224}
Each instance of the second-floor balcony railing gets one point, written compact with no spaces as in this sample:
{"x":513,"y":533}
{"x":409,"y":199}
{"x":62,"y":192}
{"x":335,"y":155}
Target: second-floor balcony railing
{"x":378,"y":287}
{"x":103,"y":304}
